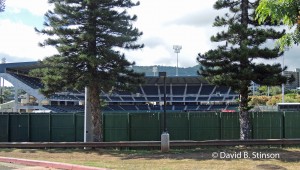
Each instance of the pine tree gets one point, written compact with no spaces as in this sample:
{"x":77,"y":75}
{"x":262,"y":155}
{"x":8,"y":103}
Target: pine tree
{"x":241,"y":43}
{"x":88,"y":36}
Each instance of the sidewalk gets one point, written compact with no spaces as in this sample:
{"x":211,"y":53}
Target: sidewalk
{"x":47,"y":164}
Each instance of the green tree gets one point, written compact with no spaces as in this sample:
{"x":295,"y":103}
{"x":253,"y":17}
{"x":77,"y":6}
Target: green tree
{"x":273,"y":90}
{"x":6,"y":94}
{"x":232,"y":63}
{"x":88,"y":36}
{"x":2,"y":5}
{"x":282,"y":11}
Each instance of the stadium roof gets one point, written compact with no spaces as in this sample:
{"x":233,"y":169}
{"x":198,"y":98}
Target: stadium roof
{"x":25,"y":67}
{"x":176,"y":80}
{"x":19,"y":67}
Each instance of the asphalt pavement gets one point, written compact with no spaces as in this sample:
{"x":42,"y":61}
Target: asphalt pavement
{"x":11,"y":166}
{"x":27,"y":164}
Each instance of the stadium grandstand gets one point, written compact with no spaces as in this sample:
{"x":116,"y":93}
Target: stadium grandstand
{"x":183,"y":93}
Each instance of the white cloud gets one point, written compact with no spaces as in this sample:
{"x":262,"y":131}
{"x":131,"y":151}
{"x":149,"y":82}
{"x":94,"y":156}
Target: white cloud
{"x":21,"y":41}
{"x":160,"y":21}
{"x":164,"y":23}
{"x":36,"y":7}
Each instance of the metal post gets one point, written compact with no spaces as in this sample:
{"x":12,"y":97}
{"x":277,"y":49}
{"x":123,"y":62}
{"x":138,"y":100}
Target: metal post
{"x":15,"y":109}
{"x":165,"y":103}
{"x":177,"y":66}
{"x":165,"y":138}
{"x":3,"y":61}
{"x":88,"y":131}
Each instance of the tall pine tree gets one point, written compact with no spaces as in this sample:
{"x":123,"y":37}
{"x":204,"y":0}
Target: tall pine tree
{"x":241,"y":43}
{"x":88,"y":35}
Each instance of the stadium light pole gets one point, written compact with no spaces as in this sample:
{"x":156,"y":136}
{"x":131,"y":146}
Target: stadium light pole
{"x":165,"y":138}
{"x":177,"y":49}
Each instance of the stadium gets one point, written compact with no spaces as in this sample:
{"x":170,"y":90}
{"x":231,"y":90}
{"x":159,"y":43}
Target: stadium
{"x":183,"y":93}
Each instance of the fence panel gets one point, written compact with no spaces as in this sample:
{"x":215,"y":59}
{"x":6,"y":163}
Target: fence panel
{"x":204,"y":126}
{"x":267,"y":125}
{"x":79,"y":122}
{"x":147,"y":126}
{"x":4,"y":126}
{"x":115,"y":127}
{"x":144,"y":126}
{"x":39,"y":127}
{"x":178,"y":125}
{"x":19,"y":128}
{"x":230,"y":125}
{"x":62,"y":127}
{"x":292,"y":125}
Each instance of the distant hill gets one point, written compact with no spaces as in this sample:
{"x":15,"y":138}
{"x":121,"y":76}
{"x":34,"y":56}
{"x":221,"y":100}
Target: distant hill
{"x":171,"y":71}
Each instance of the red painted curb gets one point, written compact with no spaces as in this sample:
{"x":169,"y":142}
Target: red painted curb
{"x":48,"y":164}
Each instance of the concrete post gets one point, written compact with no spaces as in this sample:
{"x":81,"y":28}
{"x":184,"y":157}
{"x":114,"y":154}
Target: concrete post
{"x":15,"y":109}
{"x":165,"y":142}
{"x":88,"y":130}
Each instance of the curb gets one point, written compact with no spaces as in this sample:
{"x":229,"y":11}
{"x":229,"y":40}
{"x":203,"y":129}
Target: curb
{"x":47,"y":164}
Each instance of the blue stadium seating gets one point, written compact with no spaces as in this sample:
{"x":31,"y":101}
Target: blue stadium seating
{"x":192,"y":89}
{"x":178,"y":90}
{"x":34,"y":83}
{"x":207,"y":89}
{"x":181,"y":96}
{"x":150,"y":90}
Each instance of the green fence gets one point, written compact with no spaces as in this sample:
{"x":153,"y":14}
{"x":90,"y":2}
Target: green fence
{"x":4,"y":129}
{"x":291,"y":125}
{"x":147,"y":126}
{"x":268,"y":125}
{"x":116,"y":127}
{"x":144,"y":127}
{"x":204,"y":126}
{"x":41,"y":127}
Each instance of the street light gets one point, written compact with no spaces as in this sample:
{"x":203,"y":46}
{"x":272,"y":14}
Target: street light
{"x":177,"y":49}
{"x":165,"y":138}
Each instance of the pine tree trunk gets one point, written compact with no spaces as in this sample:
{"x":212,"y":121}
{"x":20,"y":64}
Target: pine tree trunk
{"x":245,"y":127}
{"x":244,"y":114}
{"x":94,"y":99}
{"x":244,"y":118}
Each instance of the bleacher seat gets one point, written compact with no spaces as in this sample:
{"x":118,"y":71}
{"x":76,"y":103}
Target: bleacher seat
{"x":128,"y":107}
{"x":182,"y":93}
{"x":32,"y":82}
{"x":178,"y":90}
{"x":150,"y":90}
{"x":192,"y":89}
{"x":206,"y":89}
{"x":127,"y":98}
{"x":221,"y":90}
{"x":143,"y":107}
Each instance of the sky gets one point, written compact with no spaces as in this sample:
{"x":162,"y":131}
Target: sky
{"x":164,"y":23}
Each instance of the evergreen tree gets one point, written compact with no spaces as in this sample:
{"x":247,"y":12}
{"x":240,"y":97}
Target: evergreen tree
{"x":232,"y":63}
{"x":282,"y":11}
{"x":88,"y":36}
{"x":2,"y":5}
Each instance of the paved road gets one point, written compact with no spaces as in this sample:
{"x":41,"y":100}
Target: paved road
{"x":9,"y":166}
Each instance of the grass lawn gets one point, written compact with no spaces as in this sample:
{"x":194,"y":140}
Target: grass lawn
{"x":202,"y":158}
